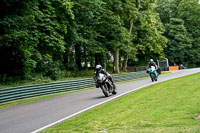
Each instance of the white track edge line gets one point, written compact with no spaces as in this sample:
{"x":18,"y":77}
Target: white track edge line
{"x":88,"y":108}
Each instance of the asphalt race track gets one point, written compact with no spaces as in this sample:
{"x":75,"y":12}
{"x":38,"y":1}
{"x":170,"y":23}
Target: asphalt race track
{"x":36,"y":116}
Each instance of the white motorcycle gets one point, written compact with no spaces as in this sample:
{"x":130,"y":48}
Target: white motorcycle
{"x":105,"y":84}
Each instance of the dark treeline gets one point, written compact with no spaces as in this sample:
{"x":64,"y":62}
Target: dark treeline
{"x":49,"y":37}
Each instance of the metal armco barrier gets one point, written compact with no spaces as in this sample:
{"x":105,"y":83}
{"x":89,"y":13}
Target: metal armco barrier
{"x":22,"y":92}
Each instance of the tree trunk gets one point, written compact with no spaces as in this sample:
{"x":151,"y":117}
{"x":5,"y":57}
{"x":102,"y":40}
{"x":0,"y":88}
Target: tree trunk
{"x":85,"y":58}
{"x":125,"y":64}
{"x":130,"y":31}
{"x":78,"y":56}
{"x":97,"y":59}
{"x":116,"y":61}
{"x":126,"y":59}
{"x":131,"y":26}
{"x":138,"y":4}
{"x":66,"y":60}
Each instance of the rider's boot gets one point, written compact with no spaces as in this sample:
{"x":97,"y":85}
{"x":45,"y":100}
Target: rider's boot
{"x":113,"y":83}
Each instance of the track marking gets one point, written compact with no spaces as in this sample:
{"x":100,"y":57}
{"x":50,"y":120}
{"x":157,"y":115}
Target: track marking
{"x":79,"y":112}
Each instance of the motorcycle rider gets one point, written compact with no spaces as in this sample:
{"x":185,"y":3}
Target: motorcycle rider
{"x":98,"y":69}
{"x":152,"y":63}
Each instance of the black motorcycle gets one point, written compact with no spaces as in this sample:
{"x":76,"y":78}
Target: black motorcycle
{"x":105,"y":84}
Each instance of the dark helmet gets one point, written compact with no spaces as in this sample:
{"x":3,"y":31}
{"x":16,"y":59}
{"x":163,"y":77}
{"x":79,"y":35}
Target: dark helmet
{"x":98,"y":67}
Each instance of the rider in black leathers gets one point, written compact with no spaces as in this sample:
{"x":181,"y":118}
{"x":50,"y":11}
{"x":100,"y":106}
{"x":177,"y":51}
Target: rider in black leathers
{"x":98,"y":69}
{"x":152,"y":63}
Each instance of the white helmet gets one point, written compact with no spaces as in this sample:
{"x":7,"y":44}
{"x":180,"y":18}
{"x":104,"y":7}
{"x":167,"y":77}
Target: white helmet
{"x":151,"y":60}
{"x":98,"y":67}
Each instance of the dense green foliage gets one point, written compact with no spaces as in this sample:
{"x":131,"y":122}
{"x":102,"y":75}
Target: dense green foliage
{"x":178,"y":41}
{"x":182,"y":24}
{"x":50,"y":38}
{"x":32,"y":37}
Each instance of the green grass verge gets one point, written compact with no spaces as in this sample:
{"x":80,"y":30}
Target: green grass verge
{"x":167,"y":107}
{"x":34,"y":99}
{"x":165,"y":73}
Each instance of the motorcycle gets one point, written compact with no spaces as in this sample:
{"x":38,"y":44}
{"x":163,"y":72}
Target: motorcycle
{"x":102,"y":81}
{"x":153,"y":73}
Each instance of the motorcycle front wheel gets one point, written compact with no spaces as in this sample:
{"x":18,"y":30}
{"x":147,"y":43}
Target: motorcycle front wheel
{"x":152,"y":77}
{"x":105,"y":90}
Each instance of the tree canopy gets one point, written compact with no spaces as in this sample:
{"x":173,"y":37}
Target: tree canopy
{"x":182,"y":24}
{"x":49,"y":37}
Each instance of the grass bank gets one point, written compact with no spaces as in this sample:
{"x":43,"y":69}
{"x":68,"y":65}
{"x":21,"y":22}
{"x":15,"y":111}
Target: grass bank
{"x":167,"y":107}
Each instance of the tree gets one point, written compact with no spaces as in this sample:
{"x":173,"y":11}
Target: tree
{"x":149,"y":30}
{"x":114,"y":34}
{"x":164,"y":10}
{"x":48,"y":37}
{"x":185,"y":9}
{"x":178,"y":42}
{"x":130,"y":9}
{"x":181,"y":10}
{"x":32,"y":36}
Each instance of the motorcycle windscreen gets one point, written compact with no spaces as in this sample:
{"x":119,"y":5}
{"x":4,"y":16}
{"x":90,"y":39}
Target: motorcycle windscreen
{"x":153,"y":68}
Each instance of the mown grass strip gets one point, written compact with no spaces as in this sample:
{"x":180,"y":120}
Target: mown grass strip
{"x":167,"y":107}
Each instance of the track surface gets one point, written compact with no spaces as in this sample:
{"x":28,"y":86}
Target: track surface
{"x":30,"y":117}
